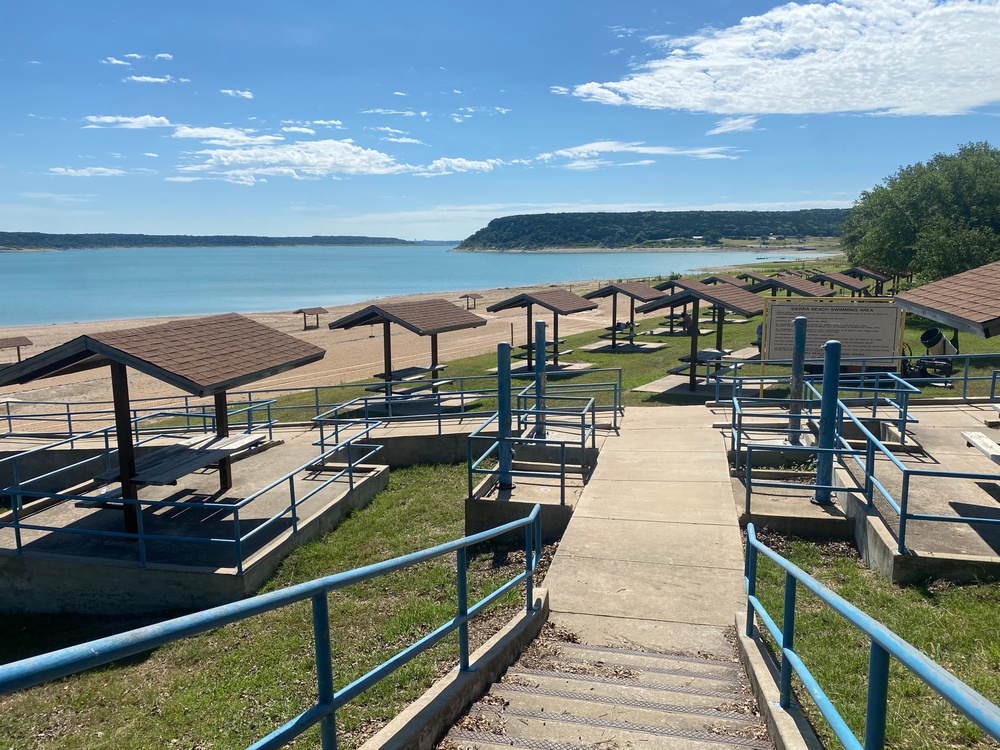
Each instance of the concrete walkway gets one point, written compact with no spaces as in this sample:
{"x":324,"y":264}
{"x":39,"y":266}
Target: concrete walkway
{"x":653,"y":558}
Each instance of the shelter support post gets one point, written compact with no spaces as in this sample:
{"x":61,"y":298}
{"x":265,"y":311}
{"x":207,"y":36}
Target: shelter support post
{"x":720,"y":319}
{"x":540,"y":380}
{"x":434,"y":360}
{"x":222,"y":431}
{"x":631,"y":320}
{"x":529,"y":332}
{"x":796,"y":385}
{"x":614,"y":321}
{"x":506,"y":446}
{"x":387,"y":357}
{"x":827,"y":421}
{"x":693,"y":377}
{"x":555,"y":340}
{"x":126,"y":449}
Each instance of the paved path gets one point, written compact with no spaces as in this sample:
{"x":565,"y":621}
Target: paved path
{"x":653,"y":557}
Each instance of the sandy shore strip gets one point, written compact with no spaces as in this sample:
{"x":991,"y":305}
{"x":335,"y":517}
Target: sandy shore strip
{"x":352,"y":355}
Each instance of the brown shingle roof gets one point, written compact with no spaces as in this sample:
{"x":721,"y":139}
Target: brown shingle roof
{"x":840,"y":279}
{"x":198,"y":355}
{"x":860,"y":272}
{"x":967,"y":301}
{"x":685,"y":282}
{"x":559,"y":301}
{"x":722,"y":295}
{"x":726,"y":278}
{"x":16,"y":341}
{"x":311,"y":311}
{"x":634,"y":289}
{"x":796,"y":284}
{"x":423,"y":317}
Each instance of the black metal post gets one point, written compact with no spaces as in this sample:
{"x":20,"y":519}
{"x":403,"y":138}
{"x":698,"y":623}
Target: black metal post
{"x":126,"y":449}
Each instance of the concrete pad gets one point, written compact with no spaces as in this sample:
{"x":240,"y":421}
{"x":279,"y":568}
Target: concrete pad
{"x":663,"y":593}
{"x":641,"y":439}
{"x":680,"y":384}
{"x":651,"y":635}
{"x":644,"y":417}
{"x":657,"y":543}
{"x":701,"y":502}
{"x":677,"y":466}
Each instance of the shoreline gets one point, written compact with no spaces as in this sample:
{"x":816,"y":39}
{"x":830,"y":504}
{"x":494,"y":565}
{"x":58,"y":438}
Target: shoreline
{"x":352,"y":355}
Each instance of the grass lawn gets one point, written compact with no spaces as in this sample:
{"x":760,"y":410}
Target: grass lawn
{"x":232,"y":686}
{"x":955,"y":625}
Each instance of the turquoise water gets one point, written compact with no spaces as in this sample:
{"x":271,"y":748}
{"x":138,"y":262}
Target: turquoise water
{"x":81,"y":285}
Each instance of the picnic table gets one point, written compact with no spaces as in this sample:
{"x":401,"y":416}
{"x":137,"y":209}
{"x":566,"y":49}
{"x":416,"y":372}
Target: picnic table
{"x":411,"y":373}
{"x":167,"y":465}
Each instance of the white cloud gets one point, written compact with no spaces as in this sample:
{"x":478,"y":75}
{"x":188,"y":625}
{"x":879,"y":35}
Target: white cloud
{"x":561,"y":90}
{"x":60,"y":197}
{"x":393,"y":131}
{"x":115,"y":61}
{"x":238,"y":93}
{"x":484,"y":110}
{"x":87,"y":172}
{"x":302,"y":160}
{"x":733,"y":125}
{"x":164,"y":56}
{"x":329,"y":123}
{"x":34,"y":62}
{"x":133,"y":56}
{"x":299,"y":129}
{"x":380,"y":111}
{"x":149,"y":79}
{"x":903,"y":57}
{"x":184,"y":80}
{"x":225,"y":136}
{"x":403,"y":139}
{"x":452,"y":165}
{"x":184,"y":179}
{"x":399,"y":93}
{"x":151,"y":155}
{"x":119,"y":121}
{"x":587,"y":156}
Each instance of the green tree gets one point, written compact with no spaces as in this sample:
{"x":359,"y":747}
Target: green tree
{"x":934,"y":219}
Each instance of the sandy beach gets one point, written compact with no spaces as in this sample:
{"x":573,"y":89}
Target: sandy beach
{"x":351,"y":355}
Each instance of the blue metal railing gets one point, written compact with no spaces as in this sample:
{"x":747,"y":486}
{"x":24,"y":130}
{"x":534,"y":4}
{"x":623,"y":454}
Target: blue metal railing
{"x":28,"y":672}
{"x":884,"y":645}
{"x":65,"y":417}
{"x":356,"y":451}
{"x":580,"y":418}
{"x":960,"y":378}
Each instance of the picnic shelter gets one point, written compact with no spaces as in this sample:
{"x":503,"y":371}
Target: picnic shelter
{"x":305,"y":312}
{"x":429,"y":317}
{"x":202,"y":356}
{"x":634,"y":290}
{"x":723,"y":296}
{"x":16,"y":342}
{"x":966,"y":301}
{"x":557,"y":301}
{"x":857,"y":287}
{"x":792,"y":284}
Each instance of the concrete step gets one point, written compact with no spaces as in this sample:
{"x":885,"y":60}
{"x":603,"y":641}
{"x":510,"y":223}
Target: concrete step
{"x":564,"y":695}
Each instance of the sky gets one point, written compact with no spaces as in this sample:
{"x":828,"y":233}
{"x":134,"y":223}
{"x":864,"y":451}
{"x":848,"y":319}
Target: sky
{"x":425,"y":120}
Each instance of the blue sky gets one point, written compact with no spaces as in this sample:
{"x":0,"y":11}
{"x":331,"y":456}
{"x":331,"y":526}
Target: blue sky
{"x":427,"y":119}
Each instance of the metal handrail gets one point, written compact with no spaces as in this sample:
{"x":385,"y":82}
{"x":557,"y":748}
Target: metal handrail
{"x":884,"y":644}
{"x":35,"y":670}
{"x":236,"y":540}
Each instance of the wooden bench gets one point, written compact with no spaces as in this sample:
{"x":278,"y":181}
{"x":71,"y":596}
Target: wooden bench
{"x":986,"y":445}
{"x":167,"y":465}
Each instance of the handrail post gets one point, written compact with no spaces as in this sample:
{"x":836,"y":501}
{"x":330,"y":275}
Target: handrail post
{"x":828,"y":419}
{"x":787,"y":642}
{"x":748,"y":479}
{"x":878,"y":688}
{"x":540,"y":351}
{"x":324,"y":669}
{"x":237,"y":541}
{"x":291,"y":500}
{"x":904,"y":505}
{"x":139,"y":530}
{"x":751,"y":576}
{"x":796,"y":383}
{"x":69,"y":425}
{"x":463,"y":610}
{"x":562,"y":464}
{"x":869,"y":472}
{"x":529,"y":583}
{"x":505,"y":450}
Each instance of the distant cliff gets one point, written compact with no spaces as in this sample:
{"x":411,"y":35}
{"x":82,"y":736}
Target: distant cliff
{"x":40,"y":241}
{"x":649,"y":228}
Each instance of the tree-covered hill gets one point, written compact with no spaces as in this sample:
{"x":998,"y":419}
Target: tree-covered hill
{"x":612,"y":230}
{"x":42,"y":241}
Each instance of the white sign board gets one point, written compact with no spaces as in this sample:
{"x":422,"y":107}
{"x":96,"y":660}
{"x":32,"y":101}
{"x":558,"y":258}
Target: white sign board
{"x":864,"y":327}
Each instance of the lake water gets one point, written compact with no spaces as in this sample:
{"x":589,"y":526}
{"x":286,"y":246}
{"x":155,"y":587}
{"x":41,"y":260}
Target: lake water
{"x":81,"y":285}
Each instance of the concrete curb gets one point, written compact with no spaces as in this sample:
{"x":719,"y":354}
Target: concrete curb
{"x":425,"y":721}
{"x":788,"y":728}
